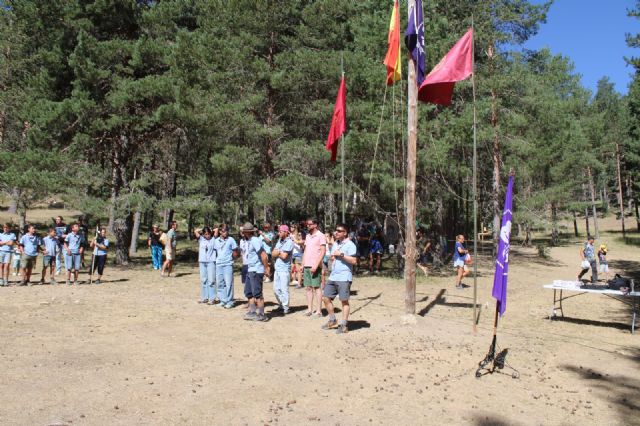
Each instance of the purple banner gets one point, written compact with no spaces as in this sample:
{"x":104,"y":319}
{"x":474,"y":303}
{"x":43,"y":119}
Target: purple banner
{"x":414,"y":39}
{"x":502,"y":258}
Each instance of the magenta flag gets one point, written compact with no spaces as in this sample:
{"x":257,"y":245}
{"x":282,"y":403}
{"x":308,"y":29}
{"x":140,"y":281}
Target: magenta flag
{"x":456,"y":65}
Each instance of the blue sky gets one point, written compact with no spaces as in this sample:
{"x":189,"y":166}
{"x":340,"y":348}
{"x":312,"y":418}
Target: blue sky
{"x":592,"y":34}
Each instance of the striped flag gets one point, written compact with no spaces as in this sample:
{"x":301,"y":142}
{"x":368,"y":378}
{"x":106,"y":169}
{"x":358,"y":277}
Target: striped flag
{"x":392,"y":60}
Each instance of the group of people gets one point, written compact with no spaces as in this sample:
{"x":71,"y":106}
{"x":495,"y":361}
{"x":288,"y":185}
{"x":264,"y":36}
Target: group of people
{"x":590,"y":259}
{"x":61,"y":244}
{"x":281,"y":259}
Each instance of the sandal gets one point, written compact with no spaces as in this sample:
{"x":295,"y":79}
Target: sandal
{"x":308,"y":314}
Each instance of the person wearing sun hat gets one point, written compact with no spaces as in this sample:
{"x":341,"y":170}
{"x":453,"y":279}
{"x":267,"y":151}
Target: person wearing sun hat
{"x":602,"y":259}
{"x":258,"y":267}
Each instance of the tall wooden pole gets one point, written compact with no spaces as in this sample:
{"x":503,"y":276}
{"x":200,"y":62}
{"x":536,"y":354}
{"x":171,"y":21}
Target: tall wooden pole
{"x":593,"y":202}
{"x":620,"y":199}
{"x":475,"y":185}
{"x":410,"y":246}
{"x":342,"y":150}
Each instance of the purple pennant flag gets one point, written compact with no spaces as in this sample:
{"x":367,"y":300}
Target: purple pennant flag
{"x":502,"y":258}
{"x":414,"y":39}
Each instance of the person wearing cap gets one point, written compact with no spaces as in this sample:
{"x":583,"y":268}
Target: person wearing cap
{"x":344,"y":256}
{"x":602,"y":259}
{"x":258,"y":267}
{"x":282,"y":253}
{"x":588,"y":255}
{"x":227,"y":249}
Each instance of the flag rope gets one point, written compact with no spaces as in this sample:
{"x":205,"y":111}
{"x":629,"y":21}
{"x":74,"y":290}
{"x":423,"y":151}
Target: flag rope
{"x":375,"y":151}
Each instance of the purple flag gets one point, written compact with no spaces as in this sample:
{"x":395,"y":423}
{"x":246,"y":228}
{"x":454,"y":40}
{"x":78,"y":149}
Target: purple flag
{"x":502,"y":258}
{"x":414,"y":39}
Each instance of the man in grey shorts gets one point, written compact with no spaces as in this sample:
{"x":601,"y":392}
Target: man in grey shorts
{"x":342,"y":258}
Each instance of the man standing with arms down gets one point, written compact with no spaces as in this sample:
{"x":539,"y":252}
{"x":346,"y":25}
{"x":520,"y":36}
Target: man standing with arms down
{"x":170,"y":249}
{"x":282,"y":254}
{"x":258,"y":268}
{"x":344,"y":256}
{"x":315,"y":247}
{"x":73,"y":247}
{"x":7,"y":240}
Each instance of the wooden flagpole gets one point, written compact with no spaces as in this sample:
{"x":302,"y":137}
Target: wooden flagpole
{"x":475,"y":184}
{"x":342,"y":147}
{"x":410,"y":238}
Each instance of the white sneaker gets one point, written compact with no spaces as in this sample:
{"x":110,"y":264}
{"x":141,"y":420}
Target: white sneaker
{"x":14,"y":274}
{"x":295,"y":282}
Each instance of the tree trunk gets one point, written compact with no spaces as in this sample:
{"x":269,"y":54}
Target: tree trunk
{"x":575,"y":223}
{"x":496,"y":158}
{"x":586,"y":220}
{"x":122,"y":232}
{"x":13,"y":203}
{"x":554,"y":225}
{"x":593,"y":202}
{"x":133,"y":248}
{"x":115,"y":188}
{"x":620,"y":197}
{"x":190,"y":224}
{"x":22,"y":219}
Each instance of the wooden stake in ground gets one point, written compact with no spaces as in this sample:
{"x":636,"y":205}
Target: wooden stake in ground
{"x":410,"y":236}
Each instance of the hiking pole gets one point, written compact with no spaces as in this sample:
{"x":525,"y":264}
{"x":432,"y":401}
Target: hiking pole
{"x":93,"y":257}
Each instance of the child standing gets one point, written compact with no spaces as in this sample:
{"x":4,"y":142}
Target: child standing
{"x":7,"y":240}
{"x":51,"y":250}
{"x":602,"y":258}
{"x":375,"y":254}
{"x":100,"y":244}
{"x":29,"y":247}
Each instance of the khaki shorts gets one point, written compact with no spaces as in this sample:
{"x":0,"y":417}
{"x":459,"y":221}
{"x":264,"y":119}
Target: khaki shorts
{"x":170,"y":253}
{"x":28,"y":262}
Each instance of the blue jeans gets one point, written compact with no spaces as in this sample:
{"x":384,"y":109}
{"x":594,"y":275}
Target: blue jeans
{"x":281,"y":288}
{"x":59,"y":257}
{"x":156,"y":256}
{"x":224,"y":281}
{"x":207,"y":280}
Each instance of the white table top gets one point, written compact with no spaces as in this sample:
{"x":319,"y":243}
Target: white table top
{"x":587,"y":290}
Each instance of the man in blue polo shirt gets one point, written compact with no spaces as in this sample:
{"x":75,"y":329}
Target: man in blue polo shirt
{"x":29,"y":247}
{"x":258,"y":268}
{"x":343,"y":254}
{"x":227,"y":249}
{"x":73,"y":247}
{"x":7,"y":240}
{"x":282,"y":253}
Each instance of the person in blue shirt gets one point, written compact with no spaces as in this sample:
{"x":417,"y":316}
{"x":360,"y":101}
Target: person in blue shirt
{"x":258,"y":268}
{"x":267,"y":237}
{"x":29,"y":247}
{"x":207,"y":256}
{"x":227,"y":249}
{"x":344,"y":257}
{"x":7,"y":241}
{"x":375,"y":254}
{"x":459,"y":258}
{"x":61,"y":233}
{"x":282,"y":253}
{"x":51,"y":250}
{"x":73,"y":247}
{"x":100,"y":245}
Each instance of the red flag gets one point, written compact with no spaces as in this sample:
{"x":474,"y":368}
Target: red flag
{"x":392,"y":60}
{"x":339,"y":121}
{"x":456,"y":65}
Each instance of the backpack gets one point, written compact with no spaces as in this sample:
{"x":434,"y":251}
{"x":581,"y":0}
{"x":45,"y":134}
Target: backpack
{"x":617,"y":282}
{"x":163,"y":239}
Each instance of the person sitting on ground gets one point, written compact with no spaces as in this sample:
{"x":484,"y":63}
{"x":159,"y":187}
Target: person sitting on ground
{"x":51,"y":249}
{"x":100,"y":244}
{"x":459,"y":256}
{"x":343,"y":252}
{"x":29,"y":247}
{"x":7,"y":241}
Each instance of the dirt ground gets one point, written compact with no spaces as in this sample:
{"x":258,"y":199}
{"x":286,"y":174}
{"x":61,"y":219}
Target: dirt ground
{"x":139,"y":350}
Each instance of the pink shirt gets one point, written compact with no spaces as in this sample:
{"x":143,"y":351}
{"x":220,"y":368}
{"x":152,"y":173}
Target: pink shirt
{"x":312,"y":246}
